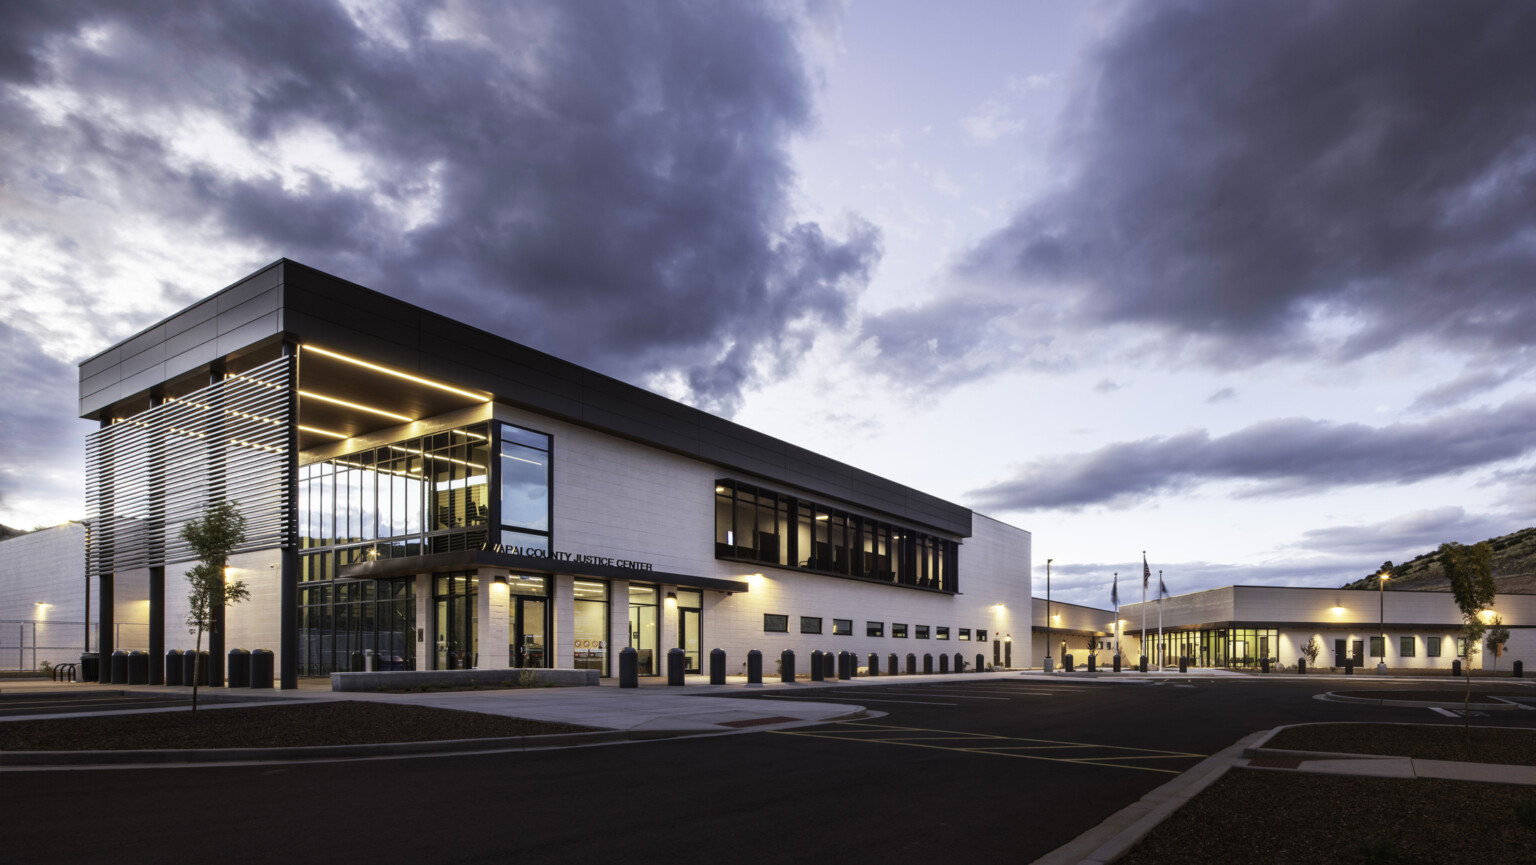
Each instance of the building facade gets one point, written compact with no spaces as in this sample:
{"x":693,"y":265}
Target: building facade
{"x":44,"y":614}
{"x":1239,"y":626}
{"x":427,"y":495}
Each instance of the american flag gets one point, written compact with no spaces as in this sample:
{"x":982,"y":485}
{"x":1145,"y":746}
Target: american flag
{"x":1146,"y":571}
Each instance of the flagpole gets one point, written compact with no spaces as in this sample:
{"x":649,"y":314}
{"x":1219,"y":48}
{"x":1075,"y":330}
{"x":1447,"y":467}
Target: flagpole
{"x":1115,"y":596}
{"x":1162,"y":654}
{"x":1146,"y":576}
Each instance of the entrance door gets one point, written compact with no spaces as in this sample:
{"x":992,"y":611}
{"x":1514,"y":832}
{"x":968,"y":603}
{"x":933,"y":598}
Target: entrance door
{"x":1358,"y":650}
{"x":1008,"y":654}
{"x":688,"y":638}
{"x":997,"y":653}
{"x":527,"y":632}
{"x":454,"y":621}
{"x":1338,"y":653}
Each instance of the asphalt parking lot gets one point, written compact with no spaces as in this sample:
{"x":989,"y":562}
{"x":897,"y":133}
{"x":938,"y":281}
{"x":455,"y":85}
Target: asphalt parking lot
{"x":954,"y":769}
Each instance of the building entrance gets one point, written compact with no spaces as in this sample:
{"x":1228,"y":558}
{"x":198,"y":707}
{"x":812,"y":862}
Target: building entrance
{"x":527,"y":632}
{"x":689,"y":608}
{"x":453,"y":622}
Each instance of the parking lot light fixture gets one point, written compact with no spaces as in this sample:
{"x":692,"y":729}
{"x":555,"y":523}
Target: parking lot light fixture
{"x":1381,"y":592}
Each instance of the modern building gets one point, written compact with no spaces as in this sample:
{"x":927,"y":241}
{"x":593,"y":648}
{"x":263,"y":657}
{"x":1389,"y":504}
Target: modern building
{"x":1239,"y":626}
{"x":1069,"y":629}
{"x":43,"y":609}
{"x":441,"y":497}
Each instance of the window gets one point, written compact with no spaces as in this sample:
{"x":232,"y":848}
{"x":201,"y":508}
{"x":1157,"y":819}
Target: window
{"x":842,"y":627}
{"x":898,"y":630}
{"x":981,"y":635}
{"x":941,"y":632}
{"x":1461,"y":647}
{"x":810,"y":624}
{"x":1376,"y":648}
{"x":1406,"y":647}
{"x":1432,"y":647}
{"x":965,"y":634}
{"x":874,"y":629}
{"x":775,"y":624}
{"x":922,"y":632}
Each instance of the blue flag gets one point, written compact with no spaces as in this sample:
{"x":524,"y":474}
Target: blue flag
{"x":1162,"y":587}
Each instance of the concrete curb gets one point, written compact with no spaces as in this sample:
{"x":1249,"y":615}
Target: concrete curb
{"x":1111,"y":839}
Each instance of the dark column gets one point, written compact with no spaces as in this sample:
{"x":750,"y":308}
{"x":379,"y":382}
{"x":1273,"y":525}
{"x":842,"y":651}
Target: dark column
{"x":104,"y":622}
{"x":216,"y":647}
{"x":157,"y":625}
{"x":288,"y":610}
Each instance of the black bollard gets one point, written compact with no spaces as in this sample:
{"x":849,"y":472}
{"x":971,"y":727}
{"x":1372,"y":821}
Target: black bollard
{"x":717,"y":667}
{"x":754,"y":667}
{"x":629,"y":667}
{"x":1117,"y":662}
{"x":239,"y":668}
{"x":1301,"y":666}
{"x":1349,"y":666}
{"x":891,"y":667}
{"x":262,"y":663}
{"x":829,"y":665}
{"x":676,"y":661}
{"x":959,"y":663}
{"x":844,"y":661}
{"x":1183,"y":663}
{"x":981,"y":662}
{"x":874,"y":663}
{"x":1143,"y":665}
{"x":853,"y":665}
{"x":1093,"y":663}
{"x":911,"y":664}
{"x":943,"y":663}
{"x":173,"y":667}
{"x":1519,"y":669}
{"x":1456,"y":668}
{"x":1066,"y":663}
{"x":927,"y":663}
{"x":787,"y":667}
{"x":818,"y":672}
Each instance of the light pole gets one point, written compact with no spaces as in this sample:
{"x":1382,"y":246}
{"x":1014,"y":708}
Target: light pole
{"x":1048,"y":665}
{"x":1381,"y":593}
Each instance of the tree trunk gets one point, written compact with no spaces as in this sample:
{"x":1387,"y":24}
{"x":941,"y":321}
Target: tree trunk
{"x":197,"y":663}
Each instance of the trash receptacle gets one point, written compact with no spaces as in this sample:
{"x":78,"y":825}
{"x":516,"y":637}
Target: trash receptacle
{"x":119,"y":670}
{"x":1519,"y":669}
{"x":138,"y":668}
{"x":239,"y":668}
{"x":261,"y":668}
{"x":1455,"y":668}
{"x":90,"y":667}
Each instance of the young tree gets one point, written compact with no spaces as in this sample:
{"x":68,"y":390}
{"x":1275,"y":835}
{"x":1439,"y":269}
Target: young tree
{"x":212,"y":538}
{"x":1093,"y":647}
{"x":1470,"y":570}
{"x":1497,"y":636}
{"x":1311,"y":650}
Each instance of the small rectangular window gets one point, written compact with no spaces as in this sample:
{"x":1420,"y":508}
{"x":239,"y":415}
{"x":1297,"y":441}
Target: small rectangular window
{"x":1377,"y":648}
{"x":1432,"y":647}
{"x":874,"y":629}
{"x":810,"y":624}
{"x":1406,"y":647}
{"x":842,"y":627}
{"x":1461,"y":647}
{"x":981,"y":636}
{"x":941,"y":632}
{"x":898,"y":630}
{"x":775,"y":623}
{"x":922,"y":632}
{"x":965,"y":634}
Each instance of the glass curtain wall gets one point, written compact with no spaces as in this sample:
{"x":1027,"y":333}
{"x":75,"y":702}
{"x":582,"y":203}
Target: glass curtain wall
{"x":1236,"y":648}
{"x":758,"y":525}
{"x":525,"y":480}
{"x":339,"y":623}
{"x":644,"y":627}
{"x":591,"y":608}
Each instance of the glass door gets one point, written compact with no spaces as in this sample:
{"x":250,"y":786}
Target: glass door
{"x":454,"y":622}
{"x":689,"y":607}
{"x":644,"y":629}
{"x":529,"y":624}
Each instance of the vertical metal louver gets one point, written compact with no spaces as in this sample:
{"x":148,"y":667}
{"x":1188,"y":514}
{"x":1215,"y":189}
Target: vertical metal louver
{"x":147,"y":475}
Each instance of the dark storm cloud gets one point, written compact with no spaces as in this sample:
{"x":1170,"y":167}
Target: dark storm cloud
{"x":37,"y":424}
{"x":607,"y":182}
{"x":1239,"y":173}
{"x":1462,"y":388}
{"x":1279,"y":457}
{"x":1408,"y":535}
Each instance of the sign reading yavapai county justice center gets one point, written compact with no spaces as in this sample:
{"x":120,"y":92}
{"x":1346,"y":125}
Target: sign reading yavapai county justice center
{"x":561,"y":556}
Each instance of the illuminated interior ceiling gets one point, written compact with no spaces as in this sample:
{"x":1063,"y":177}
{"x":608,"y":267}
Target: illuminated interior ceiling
{"x":341,"y":396}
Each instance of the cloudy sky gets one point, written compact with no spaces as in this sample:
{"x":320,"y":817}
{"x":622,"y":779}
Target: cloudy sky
{"x":1251,"y":287}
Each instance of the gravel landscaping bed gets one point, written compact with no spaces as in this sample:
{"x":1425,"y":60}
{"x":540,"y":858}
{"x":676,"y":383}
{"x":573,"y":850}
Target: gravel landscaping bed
{"x":1256,"y":816}
{"x":295,"y":725}
{"x":1422,"y":741}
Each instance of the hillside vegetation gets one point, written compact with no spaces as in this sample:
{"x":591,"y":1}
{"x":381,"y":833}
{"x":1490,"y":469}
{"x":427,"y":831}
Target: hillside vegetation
{"x":1514,"y":568}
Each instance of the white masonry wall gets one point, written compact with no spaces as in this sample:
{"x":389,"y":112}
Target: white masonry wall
{"x":42,"y":597}
{"x":616,"y":498}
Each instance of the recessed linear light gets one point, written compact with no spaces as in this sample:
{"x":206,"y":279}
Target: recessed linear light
{"x":481,"y":397}
{"x":342,"y":402}
{"x":324,"y":432}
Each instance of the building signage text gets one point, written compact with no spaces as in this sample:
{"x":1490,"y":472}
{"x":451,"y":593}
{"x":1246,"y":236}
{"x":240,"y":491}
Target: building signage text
{"x":561,"y":556}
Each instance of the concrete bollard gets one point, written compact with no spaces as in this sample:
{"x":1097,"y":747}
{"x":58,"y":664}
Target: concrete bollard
{"x":717,"y":667}
{"x":629,"y":667}
{"x":844,"y":661}
{"x":829,"y":665}
{"x":676,"y":663}
{"x":927,"y":663}
{"x":1093,"y":663}
{"x":943,"y":663}
{"x":911,"y":664}
{"x":1066,"y":663}
{"x":891,"y":666}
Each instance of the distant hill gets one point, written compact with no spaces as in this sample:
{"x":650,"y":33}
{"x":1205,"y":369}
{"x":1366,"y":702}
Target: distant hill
{"x":1514,"y":568}
{"x":6,"y":532}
